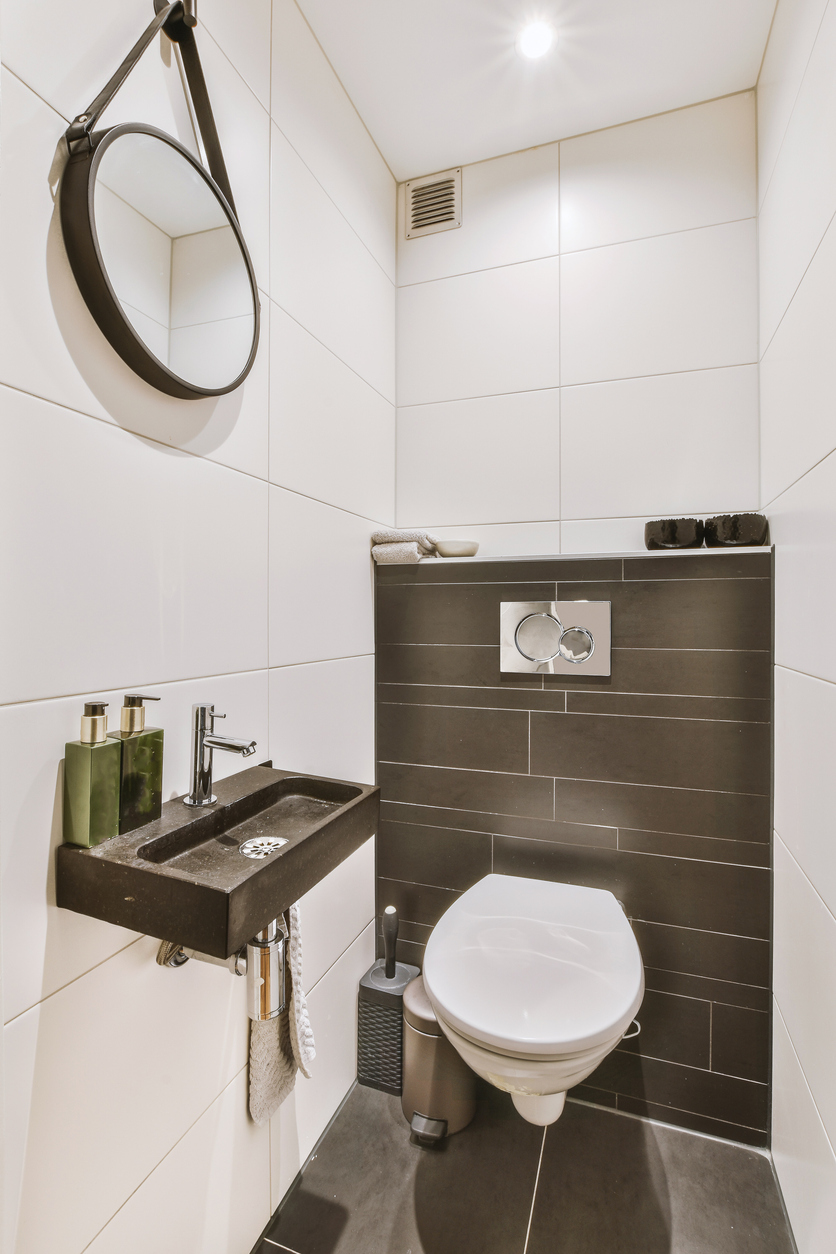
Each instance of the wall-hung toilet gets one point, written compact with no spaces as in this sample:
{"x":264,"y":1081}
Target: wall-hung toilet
{"x":534,"y":983}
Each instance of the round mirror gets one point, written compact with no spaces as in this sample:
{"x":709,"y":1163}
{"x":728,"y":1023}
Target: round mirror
{"x":538,"y":637}
{"x":576,"y":644}
{"x":160,"y":260}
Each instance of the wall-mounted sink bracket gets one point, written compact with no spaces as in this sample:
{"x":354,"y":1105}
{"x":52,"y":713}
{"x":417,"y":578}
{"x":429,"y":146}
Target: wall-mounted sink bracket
{"x":187,"y":877}
{"x":571,"y":638}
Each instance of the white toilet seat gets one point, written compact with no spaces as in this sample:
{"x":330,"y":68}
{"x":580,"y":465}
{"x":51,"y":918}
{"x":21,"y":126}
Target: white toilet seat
{"x":534,"y":983}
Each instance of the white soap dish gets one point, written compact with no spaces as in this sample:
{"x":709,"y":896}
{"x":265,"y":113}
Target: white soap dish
{"x":458,"y":548}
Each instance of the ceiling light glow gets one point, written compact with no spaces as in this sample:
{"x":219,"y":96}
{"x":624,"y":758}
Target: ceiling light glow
{"x":535,"y":40}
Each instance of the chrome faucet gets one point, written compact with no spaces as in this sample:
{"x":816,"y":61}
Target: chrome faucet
{"x":204,"y":742}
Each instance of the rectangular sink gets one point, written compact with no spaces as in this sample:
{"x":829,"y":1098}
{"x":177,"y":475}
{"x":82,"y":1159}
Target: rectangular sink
{"x":184,"y":878}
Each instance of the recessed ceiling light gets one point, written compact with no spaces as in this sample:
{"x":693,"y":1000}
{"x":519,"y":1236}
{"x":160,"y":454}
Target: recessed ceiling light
{"x":535,"y":40}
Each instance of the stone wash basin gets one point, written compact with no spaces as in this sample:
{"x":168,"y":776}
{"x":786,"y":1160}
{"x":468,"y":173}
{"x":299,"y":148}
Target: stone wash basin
{"x":183,"y":877}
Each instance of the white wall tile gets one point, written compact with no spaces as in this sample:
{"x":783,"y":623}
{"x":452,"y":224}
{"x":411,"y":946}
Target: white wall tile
{"x":794,"y":30}
{"x":237,"y":433}
{"x":19,"y":1049}
{"x":148,"y":1050}
{"x":44,"y":948}
{"x":505,"y":539}
{"x":798,"y":379}
{"x":313,"y":111}
{"x":802,"y":524}
{"x":303,"y":1117}
{"x":804,"y":978}
{"x":801,"y":198}
{"x":510,"y":214}
{"x":672,"y":444}
{"x":320,"y":581}
{"x":332,"y":436}
{"x":805,"y":714}
{"x":242,"y":30}
{"x":323,"y":275}
{"x":70,"y":67}
{"x":676,"y":302}
{"x":494,"y":459}
{"x":322,"y":718}
{"x":332,"y":1003}
{"x":210,"y":1195}
{"x":803,"y":1156}
{"x":335,"y":912}
{"x":244,"y":131}
{"x":602,"y":535}
{"x":691,"y":168}
{"x":479,"y":334}
{"x":191,"y":526}
{"x":49,"y":344}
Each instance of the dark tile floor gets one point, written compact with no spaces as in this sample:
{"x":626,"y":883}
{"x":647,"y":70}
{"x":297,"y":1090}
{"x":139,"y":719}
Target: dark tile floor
{"x":598,"y":1182}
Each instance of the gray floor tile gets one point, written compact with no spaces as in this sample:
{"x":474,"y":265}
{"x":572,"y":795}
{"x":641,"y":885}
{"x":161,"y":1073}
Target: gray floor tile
{"x":616,"y":1184}
{"x":369,"y":1190}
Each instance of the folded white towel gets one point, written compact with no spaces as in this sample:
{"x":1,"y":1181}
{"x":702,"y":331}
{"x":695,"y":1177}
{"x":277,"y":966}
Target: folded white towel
{"x":282,"y":1045}
{"x":422,"y":538}
{"x":397,"y":554}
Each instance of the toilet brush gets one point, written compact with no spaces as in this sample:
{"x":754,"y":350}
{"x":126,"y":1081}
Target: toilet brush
{"x":380,"y":1014}
{"x":390,"y":940}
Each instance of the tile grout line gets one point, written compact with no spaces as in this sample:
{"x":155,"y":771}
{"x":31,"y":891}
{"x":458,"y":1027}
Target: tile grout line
{"x":558,"y":387}
{"x":513,"y":709}
{"x":534,"y":1194}
{"x":584,"y":779}
{"x":188,"y":679}
{"x":574,"y":252}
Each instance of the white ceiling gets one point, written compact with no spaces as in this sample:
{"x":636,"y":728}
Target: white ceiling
{"x":439,"y":82}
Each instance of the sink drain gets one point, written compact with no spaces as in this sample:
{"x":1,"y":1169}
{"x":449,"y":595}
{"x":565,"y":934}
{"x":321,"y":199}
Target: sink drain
{"x":261,"y":846}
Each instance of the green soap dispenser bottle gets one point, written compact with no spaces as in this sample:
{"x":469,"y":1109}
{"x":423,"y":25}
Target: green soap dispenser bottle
{"x":92,"y":770}
{"x":141,"y":797}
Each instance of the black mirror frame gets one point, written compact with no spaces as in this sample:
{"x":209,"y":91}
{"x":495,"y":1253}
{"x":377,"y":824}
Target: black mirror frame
{"x":78,"y":224}
{"x":86,"y":148}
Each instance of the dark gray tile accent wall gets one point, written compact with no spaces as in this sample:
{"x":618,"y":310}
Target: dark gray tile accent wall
{"x":653,"y":783}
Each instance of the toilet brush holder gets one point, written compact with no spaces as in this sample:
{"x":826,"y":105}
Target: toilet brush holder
{"x":380,"y":1015}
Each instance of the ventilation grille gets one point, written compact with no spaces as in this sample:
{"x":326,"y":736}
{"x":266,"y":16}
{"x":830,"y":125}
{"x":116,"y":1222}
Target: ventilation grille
{"x":434,"y":203}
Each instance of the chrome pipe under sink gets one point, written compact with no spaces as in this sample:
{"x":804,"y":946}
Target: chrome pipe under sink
{"x":262,"y":961}
{"x":265,"y":972}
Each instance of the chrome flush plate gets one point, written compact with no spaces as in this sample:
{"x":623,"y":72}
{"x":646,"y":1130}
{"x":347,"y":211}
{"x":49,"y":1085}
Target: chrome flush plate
{"x":570,"y":638}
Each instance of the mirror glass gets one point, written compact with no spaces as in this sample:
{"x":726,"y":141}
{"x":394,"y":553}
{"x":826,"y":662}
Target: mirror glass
{"x":174,"y":260}
{"x":538,"y":637}
{"x":576,"y":644}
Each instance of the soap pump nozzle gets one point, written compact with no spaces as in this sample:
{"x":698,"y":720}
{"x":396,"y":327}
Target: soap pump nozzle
{"x":133,"y":712}
{"x":94,"y":723}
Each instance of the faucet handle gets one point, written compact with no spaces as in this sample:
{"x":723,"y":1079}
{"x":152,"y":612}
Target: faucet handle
{"x":214,"y":715}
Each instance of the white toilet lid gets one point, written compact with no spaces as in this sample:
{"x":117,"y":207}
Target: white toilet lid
{"x":533,"y":967}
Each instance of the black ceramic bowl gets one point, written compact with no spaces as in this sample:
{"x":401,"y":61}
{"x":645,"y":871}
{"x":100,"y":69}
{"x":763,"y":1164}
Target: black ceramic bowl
{"x":673,"y":533}
{"x":731,"y":530}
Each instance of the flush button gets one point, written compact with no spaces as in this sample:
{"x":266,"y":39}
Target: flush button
{"x":538,"y":637}
{"x":534,"y":637}
{"x":576,"y":645}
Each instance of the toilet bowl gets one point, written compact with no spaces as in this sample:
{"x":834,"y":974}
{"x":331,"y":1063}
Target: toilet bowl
{"x":534,"y":983}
